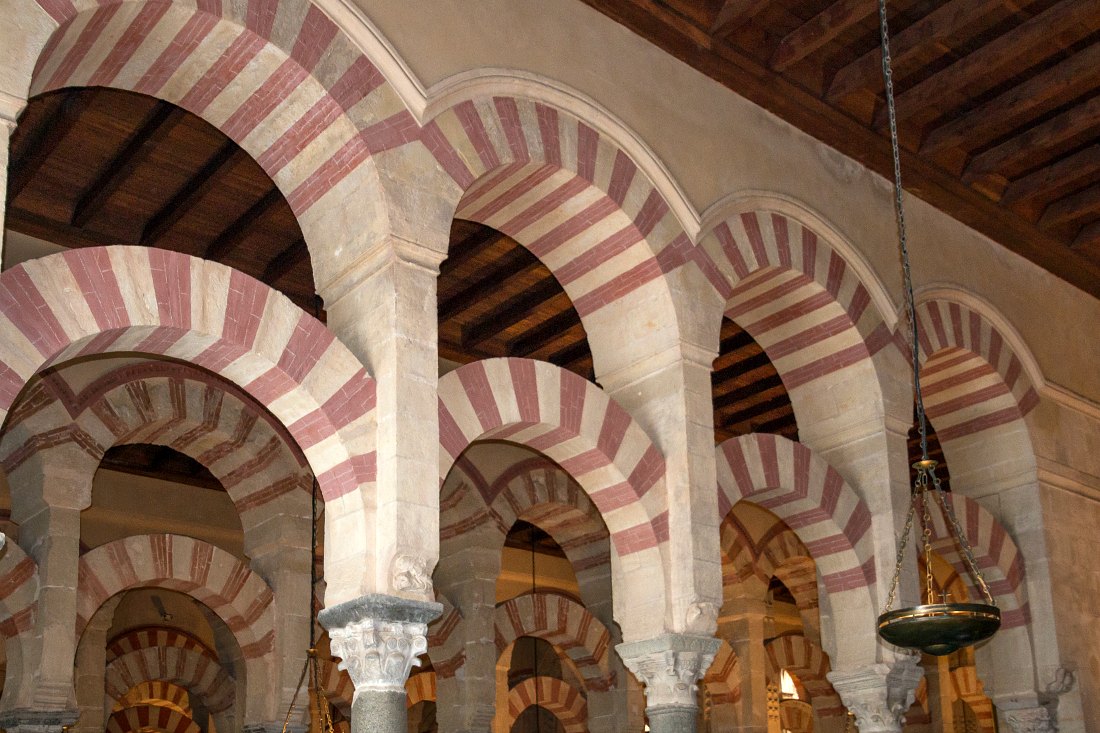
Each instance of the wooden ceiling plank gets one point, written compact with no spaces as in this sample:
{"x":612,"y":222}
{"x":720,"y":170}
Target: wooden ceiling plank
{"x":156,"y":127}
{"x":284,"y":262}
{"x":756,"y":411}
{"x":1071,"y":208}
{"x":819,"y":30}
{"x":985,"y":67}
{"x":189,"y":194}
{"x":516,"y":262}
{"x":741,"y":393}
{"x":544,"y":334}
{"x":234,"y":234}
{"x":866,"y":71}
{"x":735,"y":13}
{"x":58,"y":232}
{"x":1089,"y":236}
{"x":54,"y":130}
{"x":739,"y":340}
{"x":784,"y":425}
{"x":1022,"y":147}
{"x":1046,"y":90}
{"x":510,"y":312}
{"x":571,"y":354}
{"x":744,"y":366}
{"x":1076,"y":170}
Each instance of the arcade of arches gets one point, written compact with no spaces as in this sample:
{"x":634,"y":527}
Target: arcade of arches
{"x":594,"y":370}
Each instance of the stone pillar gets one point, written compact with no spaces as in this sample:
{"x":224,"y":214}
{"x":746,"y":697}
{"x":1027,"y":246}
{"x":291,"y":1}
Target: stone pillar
{"x":385,"y":313}
{"x":670,"y":667}
{"x":743,"y":628}
{"x":10,"y":108}
{"x":378,"y":639}
{"x":879,"y":694}
{"x":1036,"y":719}
{"x":91,"y":668}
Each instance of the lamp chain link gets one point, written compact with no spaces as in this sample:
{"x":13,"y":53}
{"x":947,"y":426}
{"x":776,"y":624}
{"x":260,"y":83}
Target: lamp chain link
{"x":964,"y":543}
{"x":900,"y":559}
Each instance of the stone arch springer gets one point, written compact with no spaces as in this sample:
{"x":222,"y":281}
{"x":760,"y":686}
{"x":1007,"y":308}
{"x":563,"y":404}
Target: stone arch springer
{"x":828,"y":516}
{"x":592,"y":438}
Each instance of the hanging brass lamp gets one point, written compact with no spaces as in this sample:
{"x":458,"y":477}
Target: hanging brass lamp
{"x":933,"y":628}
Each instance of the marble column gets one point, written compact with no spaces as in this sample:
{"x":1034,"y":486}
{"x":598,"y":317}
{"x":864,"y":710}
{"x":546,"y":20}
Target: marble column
{"x":879,"y":695}
{"x":379,"y":639}
{"x":670,"y":667}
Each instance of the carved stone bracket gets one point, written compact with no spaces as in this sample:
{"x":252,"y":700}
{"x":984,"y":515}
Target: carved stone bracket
{"x":1031,"y":720}
{"x":379,"y":639}
{"x":670,"y":666}
{"x":879,"y":695}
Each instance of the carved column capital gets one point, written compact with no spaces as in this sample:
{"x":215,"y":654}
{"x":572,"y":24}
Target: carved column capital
{"x":879,"y":695}
{"x":1031,"y":720}
{"x":379,"y":639}
{"x":670,"y":666}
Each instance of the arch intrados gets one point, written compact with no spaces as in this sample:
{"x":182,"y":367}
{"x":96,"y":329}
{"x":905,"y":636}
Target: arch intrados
{"x":157,"y":692}
{"x":556,"y":696}
{"x":193,"y":671}
{"x":150,"y":717}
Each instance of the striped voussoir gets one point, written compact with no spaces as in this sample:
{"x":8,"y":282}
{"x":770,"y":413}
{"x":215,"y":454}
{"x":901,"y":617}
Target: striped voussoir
{"x":807,"y":662}
{"x":198,"y":673}
{"x":139,"y":299}
{"x":18,"y":590}
{"x":579,"y":638}
{"x":207,"y":573}
{"x":150,"y":719}
{"x":276,"y":77}
{"x":722,"y":681}
{"x":558,"y":697}
{"x":446,"y":640}
{"x":969,"y":689}
{"x":996,"y":554}
{"x":419,"y":687}
{"x":153,"y":637}
{"x":972,"y":380}
{"x":796,"y":716}
{"x":191,"y":411}
{"x":464,"y":502}
{"x":572,"y":196}
{"x":336,"y":684}
{"x":789,"y":480}
{"x":777,"y":553}
{"x":156,"y":692}
{"x":794,"y":293}
{"x":572,"y":421}
{"x":539,"y":492}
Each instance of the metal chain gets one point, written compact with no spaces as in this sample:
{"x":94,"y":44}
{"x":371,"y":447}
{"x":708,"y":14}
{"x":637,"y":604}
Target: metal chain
{"x":900,"y":558}
{"x":926,"y":535}
{"x":960,"y":538}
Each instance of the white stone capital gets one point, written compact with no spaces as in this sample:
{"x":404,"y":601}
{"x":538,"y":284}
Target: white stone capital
{"x":879,"y":695}
{"x":670,"y":666}
{"x":379,"y":639}
{"x":1031,"y":720}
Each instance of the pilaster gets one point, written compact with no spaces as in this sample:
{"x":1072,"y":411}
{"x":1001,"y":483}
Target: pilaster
{"x":879,"y":694}
{"x":379,"y":639}
{"x":670,"y":667}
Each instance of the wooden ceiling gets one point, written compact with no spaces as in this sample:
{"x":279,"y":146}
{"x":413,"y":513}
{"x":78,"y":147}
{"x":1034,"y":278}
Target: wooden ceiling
{"x":99,"y":166}
{"x":998,"y":100}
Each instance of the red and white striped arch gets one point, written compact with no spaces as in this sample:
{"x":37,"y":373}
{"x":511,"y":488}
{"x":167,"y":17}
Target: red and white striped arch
{"x":446,"y":641}
{"x":572,"y":421}
{"x":158,"y":692}
{"x":279,"y":78}
{"x":567,"y":192}
{"x":337,"y":685}
{"x":153,"y":637}
{"x":419,"y":687}
{"x":114,"y":299}
{"x":210,"y":575}
{"x":146,"y":718}
{"x":995,"y":552}
{"x":556,"y":696}
{"x":794,"y":293}
{"x":177,"y":406}
{"x":198,"y":673}
{"x":779,"y":553}
{"x":806,"y":661}
{"x":579,"y":638}
{"x":722,"y":681}
{"x":831,"y":520}
{"x":18,"y":590}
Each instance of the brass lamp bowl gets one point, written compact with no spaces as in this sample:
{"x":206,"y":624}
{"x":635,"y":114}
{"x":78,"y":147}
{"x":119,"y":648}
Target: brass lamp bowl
{"x":939,"y":628}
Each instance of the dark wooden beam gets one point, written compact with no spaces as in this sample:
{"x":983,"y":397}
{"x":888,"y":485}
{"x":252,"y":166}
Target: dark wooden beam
{"x":516,"y":262}
{"x":571,"y":354}
{"x":1088,"y":236}
{"x":1072,"y":208}
{"x":62,"y":233}
{"x":474,"y":244}
{"x":980,"y":68}
{"x":744,"y":366}
{"x":1046,"y":90}
{"x":749,"y":390}
{"x":938,"y":187}
{"x":285,"y":261}
{"x":820,"y":30}
{"x":156,"y":127}
{"x":234,"y":234}
{"x":866,"y":71}
{"x":1068,"y":174}
{"x":752,"y":412}
{"x":544,"y":334}
{"x":189,"y":194}
{"x":739,"y":340}
{"x":1020,"y":149}
{"x":784,"y":425}
{"x":52,"y":132}
{"x":735,"y":13}
{"x":510,"y":312}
